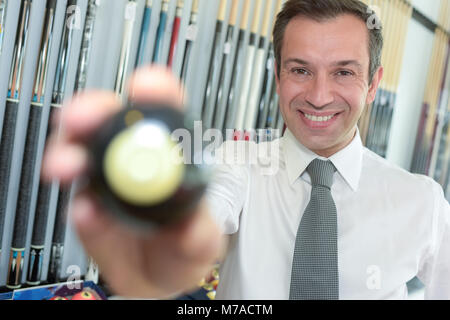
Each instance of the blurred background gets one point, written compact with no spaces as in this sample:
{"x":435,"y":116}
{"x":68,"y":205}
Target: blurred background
{"x":222,"y":50}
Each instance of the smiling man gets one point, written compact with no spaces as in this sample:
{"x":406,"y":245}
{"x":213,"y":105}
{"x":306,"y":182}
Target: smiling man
{"x":335,"y":221}
{"x":324,"y":80}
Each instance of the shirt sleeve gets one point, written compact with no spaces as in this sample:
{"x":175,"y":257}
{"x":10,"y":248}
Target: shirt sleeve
{"x":227,"y":190}
{"x":435,"y":271}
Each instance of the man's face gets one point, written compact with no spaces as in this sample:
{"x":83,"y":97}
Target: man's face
{"x":324,"y":81}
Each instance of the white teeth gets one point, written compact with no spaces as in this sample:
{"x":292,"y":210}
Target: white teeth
{"x":318,"y":119}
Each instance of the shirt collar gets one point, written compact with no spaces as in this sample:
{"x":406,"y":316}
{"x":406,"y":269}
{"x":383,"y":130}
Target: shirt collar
{"x":347,"y":161}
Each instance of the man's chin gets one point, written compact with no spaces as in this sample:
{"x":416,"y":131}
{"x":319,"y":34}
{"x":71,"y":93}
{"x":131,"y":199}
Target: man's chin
{"x":319,"y":145}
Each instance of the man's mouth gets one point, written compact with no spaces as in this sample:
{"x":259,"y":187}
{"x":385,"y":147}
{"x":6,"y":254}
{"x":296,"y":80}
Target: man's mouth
{"x":319,"y":120}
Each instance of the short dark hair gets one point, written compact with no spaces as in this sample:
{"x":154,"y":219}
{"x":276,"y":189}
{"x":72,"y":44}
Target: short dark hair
{"x":322,"y":10}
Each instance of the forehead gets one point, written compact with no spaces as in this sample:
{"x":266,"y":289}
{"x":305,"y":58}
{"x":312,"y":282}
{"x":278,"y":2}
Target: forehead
{"x":343,"y":38}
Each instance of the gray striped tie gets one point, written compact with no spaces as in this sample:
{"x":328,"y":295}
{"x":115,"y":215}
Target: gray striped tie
{"x":315,"y":264}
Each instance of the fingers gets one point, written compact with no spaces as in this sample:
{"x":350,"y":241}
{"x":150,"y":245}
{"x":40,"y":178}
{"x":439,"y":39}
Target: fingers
{"x":64,"y":161}
{"x":114,"y":249}
{"x":198,"y":238}
{"x":146,"y":265}
{"x":66,"y":157}
{"x":156,"y":84}
{"x":183,"y":254}
{"x":85,"y":113}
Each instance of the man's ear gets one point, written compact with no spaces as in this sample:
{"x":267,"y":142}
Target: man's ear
{"x":374,"y":85}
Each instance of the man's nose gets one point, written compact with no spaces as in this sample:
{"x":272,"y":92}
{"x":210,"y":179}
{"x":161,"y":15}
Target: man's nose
{"x":319,"y":94}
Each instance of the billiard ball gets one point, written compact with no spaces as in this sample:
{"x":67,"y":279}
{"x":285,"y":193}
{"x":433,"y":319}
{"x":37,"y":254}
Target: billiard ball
{"x":84,"y":295}
{"x":58,"y":298}
{"x":138,"y":169}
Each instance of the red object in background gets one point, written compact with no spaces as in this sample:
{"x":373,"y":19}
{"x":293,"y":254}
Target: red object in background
{"x":58,"y":298}
{"x":174,"y":40}
{"x":84,"y":295}
{"x":237,"y":135}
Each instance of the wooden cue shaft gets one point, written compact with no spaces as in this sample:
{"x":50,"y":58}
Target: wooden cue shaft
{"x":431,"y":71}
{"x":435,"y":84}
{"x":246,"y":15}
{"x":447,"y":153}
{"x":393,"y":38}
{"x":383,"y":114}
{"x":365,"y":118}
{"x":388,"y":15}
{"x":407,"y":16}
{"x":233,"y":14}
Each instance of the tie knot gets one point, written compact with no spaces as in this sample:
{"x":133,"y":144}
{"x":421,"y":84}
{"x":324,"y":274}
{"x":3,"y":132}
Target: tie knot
{"x":321,"y":173}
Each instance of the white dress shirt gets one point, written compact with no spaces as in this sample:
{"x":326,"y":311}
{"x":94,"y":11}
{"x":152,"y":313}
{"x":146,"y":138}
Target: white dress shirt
{"x":392,"y":225}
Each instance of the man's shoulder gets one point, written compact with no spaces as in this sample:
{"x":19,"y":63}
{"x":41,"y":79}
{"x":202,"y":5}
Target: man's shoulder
{"x":390,"y":173}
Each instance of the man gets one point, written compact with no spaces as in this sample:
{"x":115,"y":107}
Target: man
{"x":334,"y":222}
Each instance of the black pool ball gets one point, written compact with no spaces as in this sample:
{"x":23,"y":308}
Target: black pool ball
{"x":138,"y":170}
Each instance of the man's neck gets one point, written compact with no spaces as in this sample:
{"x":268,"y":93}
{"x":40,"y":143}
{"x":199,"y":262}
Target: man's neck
{"x":327,"y":153}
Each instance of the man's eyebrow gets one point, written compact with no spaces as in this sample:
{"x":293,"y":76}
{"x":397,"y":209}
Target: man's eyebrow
{"x":345,"y":63}
{"x":342,"y":63}
{"x":297,"y":60}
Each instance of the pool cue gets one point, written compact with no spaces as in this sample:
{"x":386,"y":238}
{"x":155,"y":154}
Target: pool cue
{"x":210,"y":101}
{"x":160,"y":33}
{"x":438,"y":146}
{"x":263,"y":61}
{"x":274,"y":106}
{"x":22,"y":209}
{"x":6,"y":133}
{"x":386,"y":92}
{"x":38,"y":237}
{"x":269,"y":79}
{"x":59,"y":233}
{"x":242,"y":71}
{"x":63,"y":64}
{"x":175,"y":33}
{"x":129,"y":19}
{"x":420,"y":145}
{"x":144,"y":32}
{"x":385,"y":99}
{"x":429,"y":102}
{"x":2,"y":21}
{"x":388,"y":17}
{"x":19,"y":50}
{"x":43,"y":59}
{"x":363,"y":122}
{"x":233,"y":49}
{"x":23,"y":203}
{"x":58,"y":96}
{"x":259,"y":65}
{"x":435,"y":94}
{"x":406,"y":16}
{"x":271,"y":84}
{"x":17,"y":250}
{"x":240,"y":104}
{"x":190,"y":38}
{"x":86,"y":46}
{"x":373,"y":112}
{"x":446,"y":157}
{"x":380,"y":145}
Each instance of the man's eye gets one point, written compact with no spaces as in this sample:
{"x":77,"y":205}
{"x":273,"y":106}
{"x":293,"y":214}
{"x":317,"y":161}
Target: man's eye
{"x":344,"y":73}
{"x":300,"y":71}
